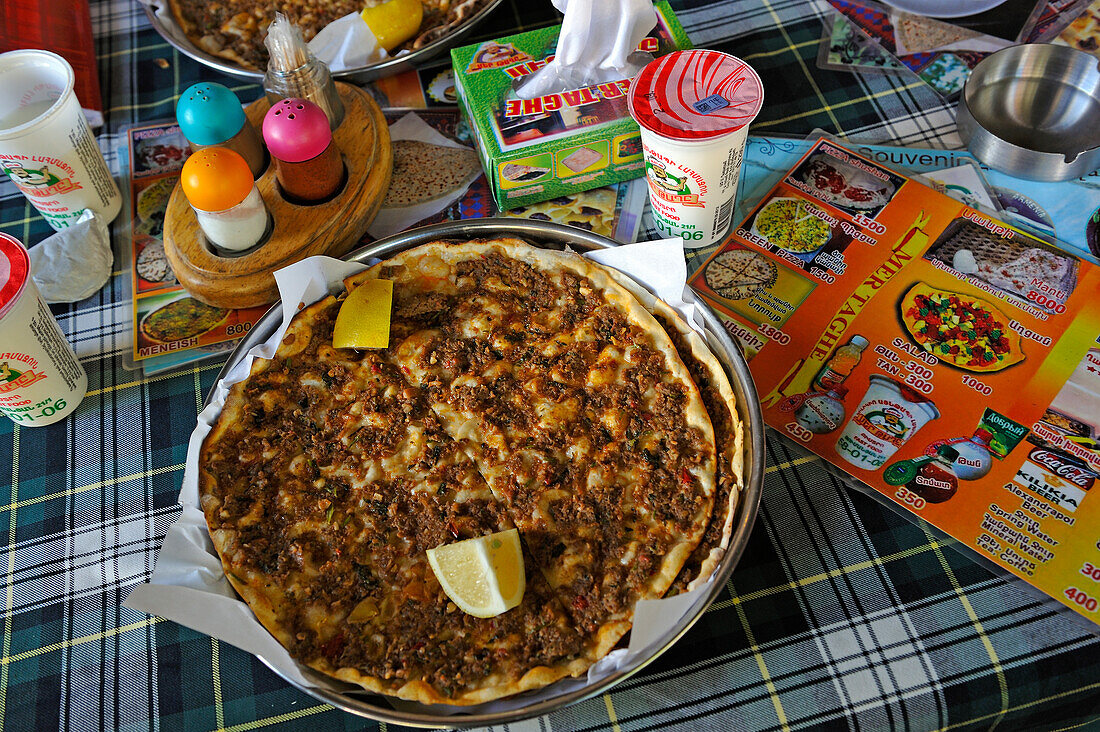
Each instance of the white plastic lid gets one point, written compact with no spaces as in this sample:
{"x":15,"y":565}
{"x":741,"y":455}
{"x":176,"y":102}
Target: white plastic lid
{"x":696,"y":95}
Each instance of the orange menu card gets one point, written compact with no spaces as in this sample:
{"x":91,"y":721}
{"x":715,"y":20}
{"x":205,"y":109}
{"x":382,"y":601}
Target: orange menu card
{"x":938,"y":355}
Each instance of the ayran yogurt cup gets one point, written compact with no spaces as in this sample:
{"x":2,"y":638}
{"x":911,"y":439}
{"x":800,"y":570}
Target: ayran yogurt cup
{"x":46,"y":145}
{"x":693,"y":109}
{"x":889,"y":414}
{"x":41,"y":381}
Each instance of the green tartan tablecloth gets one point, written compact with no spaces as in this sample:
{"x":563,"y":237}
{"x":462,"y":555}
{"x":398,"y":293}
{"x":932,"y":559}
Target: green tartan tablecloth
{"x":840,"y":613}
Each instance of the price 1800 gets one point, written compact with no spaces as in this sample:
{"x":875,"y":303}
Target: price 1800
{"x":769,"y":331}
{"x":1080,"y":598}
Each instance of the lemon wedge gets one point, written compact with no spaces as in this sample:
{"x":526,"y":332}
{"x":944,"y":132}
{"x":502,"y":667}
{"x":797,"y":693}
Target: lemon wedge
{"x":364,"y":317}
{"x":483,"y":576}
{"x":394,"y":22}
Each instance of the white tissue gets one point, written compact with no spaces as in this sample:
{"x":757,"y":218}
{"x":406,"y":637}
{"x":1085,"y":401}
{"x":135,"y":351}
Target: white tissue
{"x":596,"y":42}
{"x":75,"y":262}
{"x":347,"y":43}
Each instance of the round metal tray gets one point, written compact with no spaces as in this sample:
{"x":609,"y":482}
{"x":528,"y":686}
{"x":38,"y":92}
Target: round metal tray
{"x":552,"y":236}
{"x":387,"y":67}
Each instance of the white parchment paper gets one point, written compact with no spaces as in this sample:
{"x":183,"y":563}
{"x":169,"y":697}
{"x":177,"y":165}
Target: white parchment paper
{"x":189,"y":586}
{"x":347,"y":43}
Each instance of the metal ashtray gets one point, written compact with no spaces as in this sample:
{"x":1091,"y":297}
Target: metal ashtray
{"x":1032,"y":111}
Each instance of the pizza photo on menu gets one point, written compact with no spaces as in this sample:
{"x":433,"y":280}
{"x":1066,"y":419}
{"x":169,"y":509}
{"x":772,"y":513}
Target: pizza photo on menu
{"x":738,"y":274}
{"x":847,"y":182}
{"x":958,"y":329}
{"x":537,"y":405}
{"x":180,"y":319}
{"x":592,"y":210}
{"x":793,"y":224}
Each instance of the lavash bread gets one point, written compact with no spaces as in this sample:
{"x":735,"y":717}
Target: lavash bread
{"x":423,"y":172}
{"x":916,"y":33}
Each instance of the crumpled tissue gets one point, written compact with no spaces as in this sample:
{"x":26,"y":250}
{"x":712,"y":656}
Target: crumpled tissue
{"x":75,"y":262}
{"x":597,"y":44}
{"x":347,"y":43}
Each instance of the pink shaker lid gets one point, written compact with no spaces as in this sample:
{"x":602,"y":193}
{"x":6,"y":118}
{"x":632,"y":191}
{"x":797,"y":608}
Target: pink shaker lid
{"x":296,"y":130}
{"x":15,"y":267}
{"x":695,"y":95}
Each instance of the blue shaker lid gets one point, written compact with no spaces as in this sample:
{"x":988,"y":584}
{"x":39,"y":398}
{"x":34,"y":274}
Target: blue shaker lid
{"x":209,"y":114}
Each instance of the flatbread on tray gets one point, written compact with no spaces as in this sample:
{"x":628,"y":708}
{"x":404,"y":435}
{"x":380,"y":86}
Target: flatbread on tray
{"x":423,"y":172}
{"x":521,"y":388}
{"x":729,"y":435}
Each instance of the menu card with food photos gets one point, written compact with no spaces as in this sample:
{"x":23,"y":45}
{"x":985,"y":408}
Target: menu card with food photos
{"x":945,"y":359}
{"x":171,"y":328}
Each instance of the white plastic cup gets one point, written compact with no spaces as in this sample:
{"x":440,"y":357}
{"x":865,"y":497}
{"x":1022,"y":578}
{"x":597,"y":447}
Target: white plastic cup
{"x":693,"y":109}
{"x":46,"y":145}
{"x":41,"y":381}
{"x":889,"y":414}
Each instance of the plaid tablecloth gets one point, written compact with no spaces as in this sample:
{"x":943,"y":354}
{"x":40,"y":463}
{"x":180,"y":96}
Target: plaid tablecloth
{"x":840,"y":614}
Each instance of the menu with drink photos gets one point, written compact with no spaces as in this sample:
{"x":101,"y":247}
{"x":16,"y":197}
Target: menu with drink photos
{"x":945,"y":359}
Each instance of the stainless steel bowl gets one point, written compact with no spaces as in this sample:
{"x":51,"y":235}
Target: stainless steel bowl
{"x":1033,"y":111}
{"x":171,"y":32}
{"x":553,"y":236}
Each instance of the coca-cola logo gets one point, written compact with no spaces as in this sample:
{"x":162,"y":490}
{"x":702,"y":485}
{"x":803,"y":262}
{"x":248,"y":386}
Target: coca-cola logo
{"x":1057,"y":464}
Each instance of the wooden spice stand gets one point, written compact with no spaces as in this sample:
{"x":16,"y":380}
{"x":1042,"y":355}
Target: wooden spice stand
{"x":300,"y":231}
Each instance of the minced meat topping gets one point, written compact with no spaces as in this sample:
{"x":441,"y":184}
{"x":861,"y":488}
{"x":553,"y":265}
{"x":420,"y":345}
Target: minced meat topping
{"x":340,"y":468}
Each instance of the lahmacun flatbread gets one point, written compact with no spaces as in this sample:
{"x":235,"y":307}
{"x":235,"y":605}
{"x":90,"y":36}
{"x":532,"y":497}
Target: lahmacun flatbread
{"x":729,"y":435}
{"x":521,"y":388}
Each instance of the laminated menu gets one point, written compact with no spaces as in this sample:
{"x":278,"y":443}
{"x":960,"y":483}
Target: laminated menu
{"x":171,"y":327}
{"x":945,"y":359}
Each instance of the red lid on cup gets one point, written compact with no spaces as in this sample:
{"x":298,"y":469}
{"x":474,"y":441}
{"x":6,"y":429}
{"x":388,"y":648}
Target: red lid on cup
{"x":695,"y":95}
{"x":15,"y":268}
